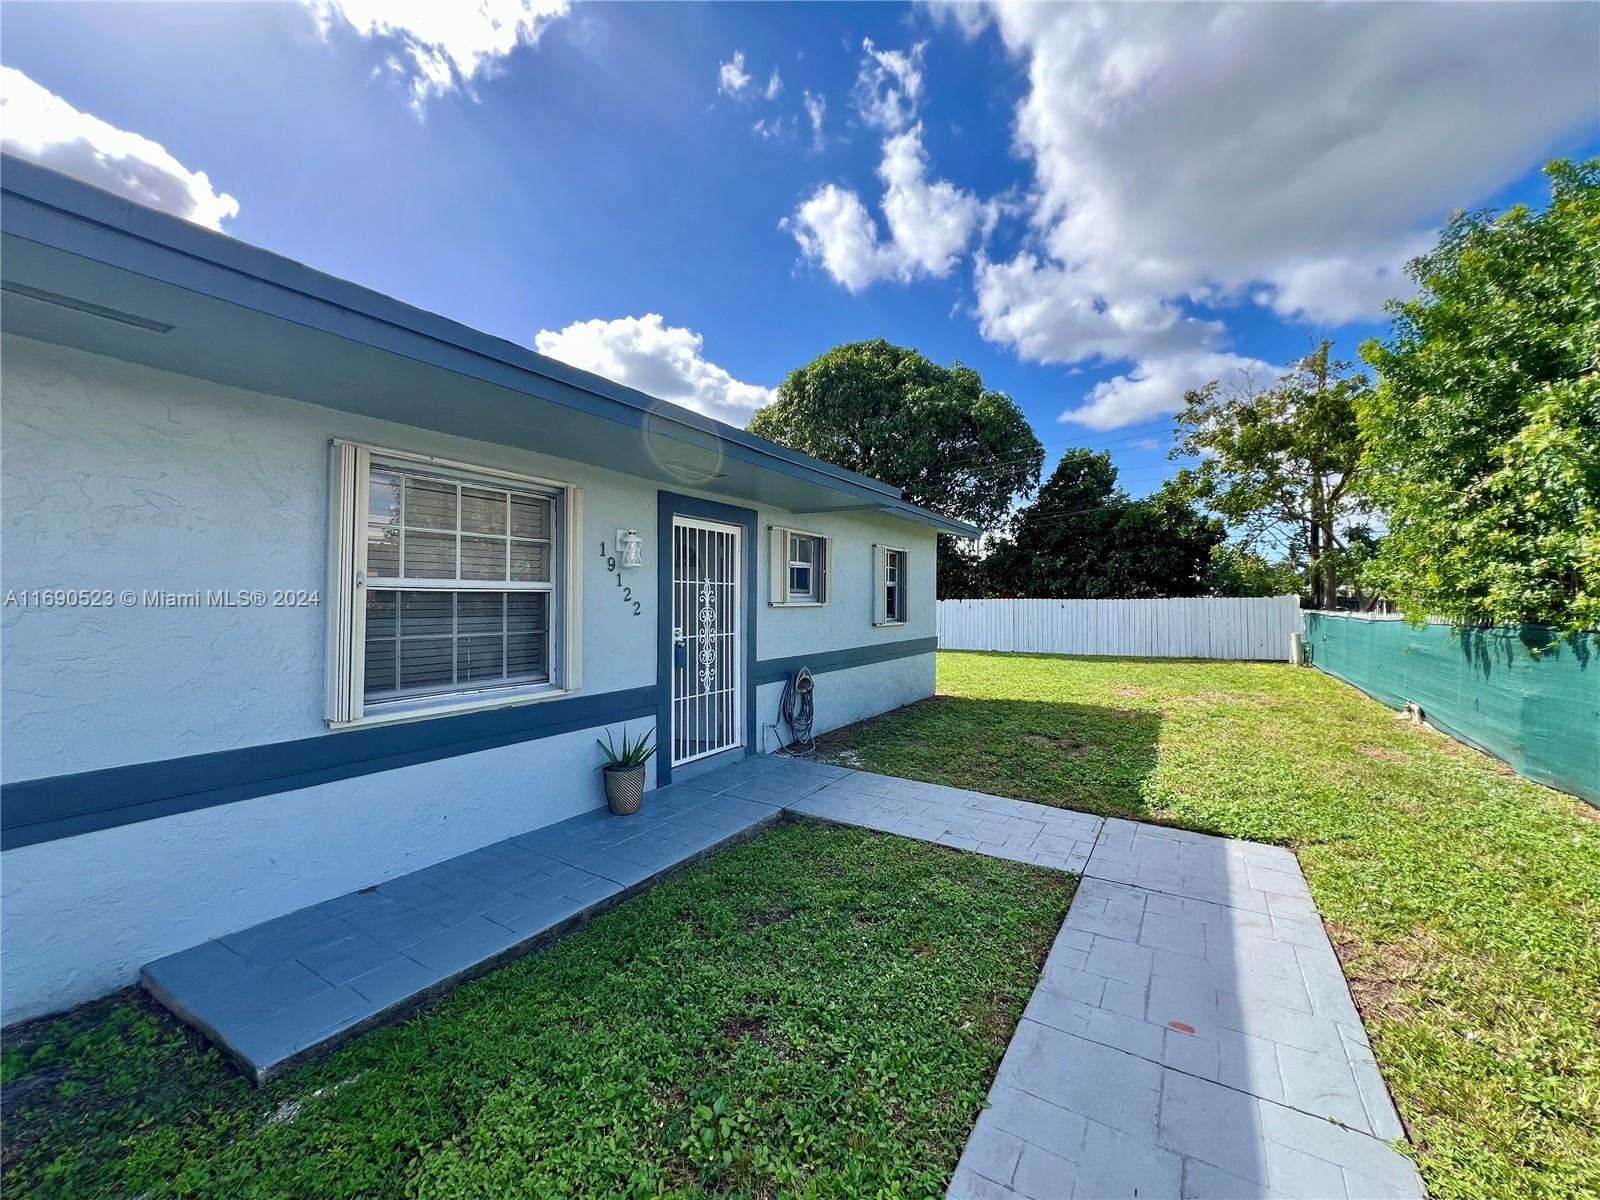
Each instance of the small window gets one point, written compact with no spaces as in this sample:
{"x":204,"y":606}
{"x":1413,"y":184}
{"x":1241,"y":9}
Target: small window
{"x":800,"y":567}
{"x":894,"y":582}
{"x":804,"y":554}
{"x":889,"y":586}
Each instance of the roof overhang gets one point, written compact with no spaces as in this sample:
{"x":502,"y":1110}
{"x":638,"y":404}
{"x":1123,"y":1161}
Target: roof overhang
{"x":84,"y":268}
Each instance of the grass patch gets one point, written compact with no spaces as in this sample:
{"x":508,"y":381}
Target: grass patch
{"x":1465,"y":901}
{"x":819,"y":1012}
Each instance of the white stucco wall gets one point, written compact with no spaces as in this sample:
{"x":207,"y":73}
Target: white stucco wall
{"x":846,"y":696}
{"x":121,"y":477}
{"x":846,"y":620}
{"x":81,"y":915}
{"x":118,"y":476}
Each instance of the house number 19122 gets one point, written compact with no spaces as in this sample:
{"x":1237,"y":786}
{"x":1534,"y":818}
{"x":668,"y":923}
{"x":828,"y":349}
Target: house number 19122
{"x":627,"y":592}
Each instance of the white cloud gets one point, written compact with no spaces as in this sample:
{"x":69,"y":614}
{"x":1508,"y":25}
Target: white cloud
{"x":930,"y":224}
{"x":663,"y":360}
{"x":446,"y":46}
{"x":38,"y":125}
{"x":889,"y":86}
{"x":1157,"y":387}
{"x":1291,"y":155}
{"x":970,"y":17}
{"x":816,"y":110}
{"x":1052,"y":313}
{"x":733,"y":80}
{"x":1345,"y":288}
{"x":835,"y":230}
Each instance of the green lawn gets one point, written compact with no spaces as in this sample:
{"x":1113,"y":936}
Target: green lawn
{"x":818,"y":1012}
{"x":1465,"y":901}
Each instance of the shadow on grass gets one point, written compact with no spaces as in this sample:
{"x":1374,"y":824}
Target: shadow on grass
{"x":1080,"y":756}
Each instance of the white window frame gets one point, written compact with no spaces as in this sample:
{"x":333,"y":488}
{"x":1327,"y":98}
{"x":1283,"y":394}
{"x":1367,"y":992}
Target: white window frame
{"x":811,"y":565}
{"x":350,"y":478}
{"x":780,"y":551}
{"x":885,"y":559}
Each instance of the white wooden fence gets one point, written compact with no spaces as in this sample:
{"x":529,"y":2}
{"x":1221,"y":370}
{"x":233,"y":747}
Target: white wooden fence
{"x":1204,"y":627}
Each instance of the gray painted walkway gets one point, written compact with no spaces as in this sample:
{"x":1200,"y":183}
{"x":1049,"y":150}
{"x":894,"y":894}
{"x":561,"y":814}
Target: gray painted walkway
{"x":294,"y":987}
{"x":1015,"y":829}
{"x":1191,"y":1035}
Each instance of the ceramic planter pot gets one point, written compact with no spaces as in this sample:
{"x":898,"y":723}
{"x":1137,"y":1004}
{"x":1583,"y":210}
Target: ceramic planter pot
{"x":624,"y":788}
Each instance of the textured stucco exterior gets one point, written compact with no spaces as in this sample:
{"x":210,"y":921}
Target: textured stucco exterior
{"x":82,"y":914}
{"x":119,"y":477}
{"x":846,"y":620}
{"x":853,"y":694}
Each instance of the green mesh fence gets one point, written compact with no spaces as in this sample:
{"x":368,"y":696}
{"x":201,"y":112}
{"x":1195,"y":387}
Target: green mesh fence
{"x":1519,"y":692}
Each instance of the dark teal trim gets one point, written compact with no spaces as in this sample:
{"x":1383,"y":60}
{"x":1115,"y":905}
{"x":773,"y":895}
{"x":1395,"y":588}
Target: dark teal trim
{"x":775,"y":670}
{"x":669,"y":505}
{"x":42,"y":810}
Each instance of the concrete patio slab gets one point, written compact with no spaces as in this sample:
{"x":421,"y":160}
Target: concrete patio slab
{"x":1191,"y":1036}
{"x":286,"y":990}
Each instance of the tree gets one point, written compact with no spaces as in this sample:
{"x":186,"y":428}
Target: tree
{"x":1084,"y":538}
{"x":1280,"y":460}
{"x":1056,"y":543}
{"x":1482,"y":440}
{"x":935,"y":432}
{"x":1235,"y":571}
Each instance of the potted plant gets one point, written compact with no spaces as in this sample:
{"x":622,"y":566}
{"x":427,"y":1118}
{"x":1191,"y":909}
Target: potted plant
{"x":623,"y":771}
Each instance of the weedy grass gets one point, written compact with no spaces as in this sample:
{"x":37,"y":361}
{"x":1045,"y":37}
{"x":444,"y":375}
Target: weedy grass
{"x":816,"y":1013}
{"x":1465,"y":901}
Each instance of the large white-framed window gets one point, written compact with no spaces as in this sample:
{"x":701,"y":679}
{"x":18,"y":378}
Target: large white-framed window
{"x":450,"y":586}
{"x":802,"y":563}
{"x":889,"y":585}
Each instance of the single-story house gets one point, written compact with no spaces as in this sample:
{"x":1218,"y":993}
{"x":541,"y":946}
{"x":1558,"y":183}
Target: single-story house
{"x":306,"y":588}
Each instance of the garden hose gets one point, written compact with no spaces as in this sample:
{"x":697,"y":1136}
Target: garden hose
{"x":796,"y":710}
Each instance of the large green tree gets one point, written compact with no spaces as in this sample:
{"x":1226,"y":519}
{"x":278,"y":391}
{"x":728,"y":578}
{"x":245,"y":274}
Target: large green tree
{"x":1482,"y":440}
{"x":1083,"y":537}
{"x":1236,"y":571}
{"x":890,"y":412}
{"x":1280,"y":461}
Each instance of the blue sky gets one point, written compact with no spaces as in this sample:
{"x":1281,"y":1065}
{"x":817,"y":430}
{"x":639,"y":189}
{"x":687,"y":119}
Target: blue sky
{"x":1093,"y":206}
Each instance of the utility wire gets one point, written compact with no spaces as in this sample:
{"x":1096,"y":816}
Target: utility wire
{"x":973,"y":457}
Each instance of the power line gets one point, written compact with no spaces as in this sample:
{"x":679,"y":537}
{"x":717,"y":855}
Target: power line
{"x":1049,"y":518}
{"x":976,"y":457}
{"x":1106,"y":438}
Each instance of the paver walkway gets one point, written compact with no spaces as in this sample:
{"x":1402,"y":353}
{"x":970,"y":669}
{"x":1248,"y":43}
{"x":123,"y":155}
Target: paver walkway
{"x":1015,"y":829}
{"x":1191,"y":1034}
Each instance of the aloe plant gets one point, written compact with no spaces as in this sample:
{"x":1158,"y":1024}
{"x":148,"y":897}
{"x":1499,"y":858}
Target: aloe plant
{"x":633,"y":754}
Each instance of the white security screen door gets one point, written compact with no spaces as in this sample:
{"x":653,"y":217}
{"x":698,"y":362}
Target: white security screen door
{"x":707,"y":639}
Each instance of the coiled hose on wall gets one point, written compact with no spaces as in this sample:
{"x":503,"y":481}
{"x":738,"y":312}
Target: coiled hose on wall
{"x":796,"y":710}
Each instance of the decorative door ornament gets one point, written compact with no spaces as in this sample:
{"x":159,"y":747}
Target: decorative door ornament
{"x":708,"y":627}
